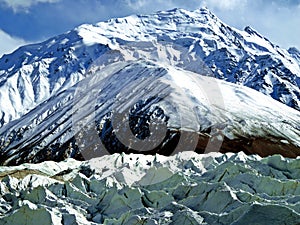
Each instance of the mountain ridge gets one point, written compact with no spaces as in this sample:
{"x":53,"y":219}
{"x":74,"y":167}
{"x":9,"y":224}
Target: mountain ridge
{"x":62,"y":61}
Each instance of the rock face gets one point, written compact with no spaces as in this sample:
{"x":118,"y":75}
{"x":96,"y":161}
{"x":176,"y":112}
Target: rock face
{"x":147,"y":107}
{"x":186,"y":188}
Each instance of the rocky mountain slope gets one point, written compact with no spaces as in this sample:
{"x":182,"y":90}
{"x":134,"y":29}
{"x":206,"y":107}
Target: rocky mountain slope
{"x":136,"y":189}
{"x":143,"y":106}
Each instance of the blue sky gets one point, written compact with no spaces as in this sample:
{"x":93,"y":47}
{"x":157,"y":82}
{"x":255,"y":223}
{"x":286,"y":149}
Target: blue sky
{"x":27,"y":21}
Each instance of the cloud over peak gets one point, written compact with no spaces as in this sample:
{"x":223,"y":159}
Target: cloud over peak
{"x":10,"y":43}
{"x":23,"y":5}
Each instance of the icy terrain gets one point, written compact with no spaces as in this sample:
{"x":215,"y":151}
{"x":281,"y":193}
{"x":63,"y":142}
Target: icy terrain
{"x":186,"y":188}
{"x":195,"y":41}
{"x":163,"y":83}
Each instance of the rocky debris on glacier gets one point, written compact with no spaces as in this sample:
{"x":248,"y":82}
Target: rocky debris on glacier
{"x":186,"y":188}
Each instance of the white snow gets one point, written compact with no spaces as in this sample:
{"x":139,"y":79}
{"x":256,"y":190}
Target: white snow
{"x":126,"y":189}
{"x":193,"y":40}
{"x":191,"y":101}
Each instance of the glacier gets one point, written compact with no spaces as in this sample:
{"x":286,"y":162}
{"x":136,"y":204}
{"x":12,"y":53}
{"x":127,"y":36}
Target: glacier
{"x":186,"y":188}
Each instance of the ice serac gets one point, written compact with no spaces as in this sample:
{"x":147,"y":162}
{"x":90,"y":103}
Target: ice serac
{"x":186,"y":188}
{"x":34,"y":73}
{"x":168,"y":108}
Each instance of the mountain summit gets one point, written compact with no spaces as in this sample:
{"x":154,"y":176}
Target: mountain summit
{"x":34,"y":73}
{"x":42,"y":86}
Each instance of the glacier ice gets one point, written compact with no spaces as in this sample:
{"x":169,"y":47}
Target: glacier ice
{"x":186,"y":188}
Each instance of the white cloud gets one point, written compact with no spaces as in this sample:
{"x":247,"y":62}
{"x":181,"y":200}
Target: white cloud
{"x":23,"y":5}
{"x":225,"y":4}
{"x":9,"y":43}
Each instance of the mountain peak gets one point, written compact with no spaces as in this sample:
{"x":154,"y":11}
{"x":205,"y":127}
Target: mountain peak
{"x":204,"y":10}
{"x":70,"y":54}
{"x":201,"y":10}
{"x":295,"y":53}
{"x":251,"y":31}
{"x":172,"y":23}
{"x":294,"y":50}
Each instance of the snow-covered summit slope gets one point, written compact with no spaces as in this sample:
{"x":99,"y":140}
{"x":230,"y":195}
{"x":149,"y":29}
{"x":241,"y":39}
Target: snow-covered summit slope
{"x":136,"y":189}
{"x":192,"y":40}
{"x":34,"y":73}
{"x":243,"y":57}
{"x":188,"y":111}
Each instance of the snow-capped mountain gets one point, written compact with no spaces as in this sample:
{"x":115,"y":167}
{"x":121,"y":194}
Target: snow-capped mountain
{"x":185,"y":189}
{"x":44,"y":89}
{"x":113,"y":109}
{"x":36,"y":72}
